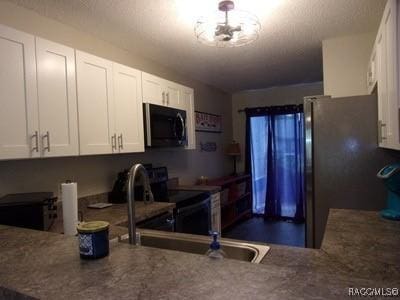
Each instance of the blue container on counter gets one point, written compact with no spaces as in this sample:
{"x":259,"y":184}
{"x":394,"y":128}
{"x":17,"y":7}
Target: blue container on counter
{"x":93,"y":239}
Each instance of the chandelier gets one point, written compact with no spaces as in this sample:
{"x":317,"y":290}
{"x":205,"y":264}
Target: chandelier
{"x":227,"y":27}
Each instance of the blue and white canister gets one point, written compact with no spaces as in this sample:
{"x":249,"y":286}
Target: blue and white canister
{"x":93,"y":239}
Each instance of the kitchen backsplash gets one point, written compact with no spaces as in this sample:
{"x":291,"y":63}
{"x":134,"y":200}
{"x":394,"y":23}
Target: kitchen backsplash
{"x":96,"y":174}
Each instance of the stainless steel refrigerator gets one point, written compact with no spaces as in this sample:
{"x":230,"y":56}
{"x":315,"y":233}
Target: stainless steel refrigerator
{"x":342,"y":159}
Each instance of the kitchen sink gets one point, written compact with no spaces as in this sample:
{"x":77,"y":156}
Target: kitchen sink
{"x":198,"y":244}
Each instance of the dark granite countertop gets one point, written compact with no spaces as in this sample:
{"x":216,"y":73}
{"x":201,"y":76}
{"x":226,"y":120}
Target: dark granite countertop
{"x":359,"y":250}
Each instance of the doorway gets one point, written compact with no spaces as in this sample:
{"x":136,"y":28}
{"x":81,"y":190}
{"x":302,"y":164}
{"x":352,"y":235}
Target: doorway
{"x":275,"y":157}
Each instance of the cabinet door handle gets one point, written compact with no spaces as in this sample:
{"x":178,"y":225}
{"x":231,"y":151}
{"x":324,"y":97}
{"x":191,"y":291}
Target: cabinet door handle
{"x":36,"y":137}
{"x":120,"y":142}
{"x":47,"y":137}
{"x":114,"y":141}
{"x":163,"y":97}
{"x":379,"y":132}
{"x":383,"y":125}
{"x":381,"y":137}
{"x":168,"y":98}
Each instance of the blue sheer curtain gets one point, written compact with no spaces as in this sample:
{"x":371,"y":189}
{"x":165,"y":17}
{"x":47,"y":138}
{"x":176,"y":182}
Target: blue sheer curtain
{"x":276,"y":142}
{"x":259,"y":146}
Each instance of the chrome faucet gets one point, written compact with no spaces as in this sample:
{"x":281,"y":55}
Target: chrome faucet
{"x":147,"y":197}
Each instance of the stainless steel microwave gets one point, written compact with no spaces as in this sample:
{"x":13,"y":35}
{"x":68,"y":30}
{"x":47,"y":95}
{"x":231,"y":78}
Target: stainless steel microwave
{"x":164,"y":126}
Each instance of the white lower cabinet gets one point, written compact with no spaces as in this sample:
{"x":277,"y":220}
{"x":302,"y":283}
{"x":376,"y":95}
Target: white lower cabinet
{"x":57,"y":99}
{"x":128,"y":109}
{"x":19,"y":123}
{"x":95,"y":104}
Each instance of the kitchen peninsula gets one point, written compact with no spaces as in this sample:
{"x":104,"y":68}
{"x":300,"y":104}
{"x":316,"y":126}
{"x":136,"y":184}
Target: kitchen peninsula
{"x":359,"y":250}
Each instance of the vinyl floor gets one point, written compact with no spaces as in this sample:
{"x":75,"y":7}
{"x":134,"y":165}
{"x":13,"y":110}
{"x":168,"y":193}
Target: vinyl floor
{"x":271,"y":232}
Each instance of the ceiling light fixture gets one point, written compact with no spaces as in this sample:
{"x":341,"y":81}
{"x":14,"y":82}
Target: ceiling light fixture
{"x":227,"y":27}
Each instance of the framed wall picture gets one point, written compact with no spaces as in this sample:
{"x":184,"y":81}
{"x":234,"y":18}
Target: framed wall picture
{"x":208,"y":122}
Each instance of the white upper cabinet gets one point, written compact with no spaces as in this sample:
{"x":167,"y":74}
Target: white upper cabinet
{"x":167,"y":93}
{"x":128,"y":108}
{"x":387,"y":78}
{"x":372,"y":69}
{"x":19,"y":126}
{"x":95,"y":104}
{"x":382,"y":87}
{"x":188,"y":101}
{"x":153,"y":89}
{"x":109,"y":105}
{"x":392,"y":133}
{"x":57,"y":99}
{"x":160,"y":91}
{"x":172,"y":94}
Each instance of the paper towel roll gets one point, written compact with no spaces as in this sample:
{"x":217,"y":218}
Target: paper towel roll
{"x":69,"y":198}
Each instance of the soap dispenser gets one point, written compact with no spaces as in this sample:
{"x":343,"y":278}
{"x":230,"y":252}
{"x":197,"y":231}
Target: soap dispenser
{"x":215,"y":250}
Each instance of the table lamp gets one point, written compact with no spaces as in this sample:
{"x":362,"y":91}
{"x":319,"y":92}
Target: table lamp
{"x":234,"y":151}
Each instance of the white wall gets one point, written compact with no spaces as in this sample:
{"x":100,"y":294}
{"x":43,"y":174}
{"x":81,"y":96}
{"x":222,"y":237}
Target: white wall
{"x":345,"y":64}
{"x":96,"y":174}
{"x":281,"y":95}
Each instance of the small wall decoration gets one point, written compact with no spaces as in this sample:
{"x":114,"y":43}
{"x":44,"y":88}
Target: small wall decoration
{"x":208,"y":122}
{"x":208,"y":147}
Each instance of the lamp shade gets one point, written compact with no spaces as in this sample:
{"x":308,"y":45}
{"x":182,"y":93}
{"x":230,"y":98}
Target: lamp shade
{"x":233,"y":149}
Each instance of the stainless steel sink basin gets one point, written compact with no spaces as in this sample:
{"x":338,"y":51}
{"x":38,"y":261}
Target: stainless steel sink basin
{"x":197,"y":244}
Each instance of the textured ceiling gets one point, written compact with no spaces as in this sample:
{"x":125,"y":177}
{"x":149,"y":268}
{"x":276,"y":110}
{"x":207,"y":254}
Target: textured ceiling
{"x":287,"y":51}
